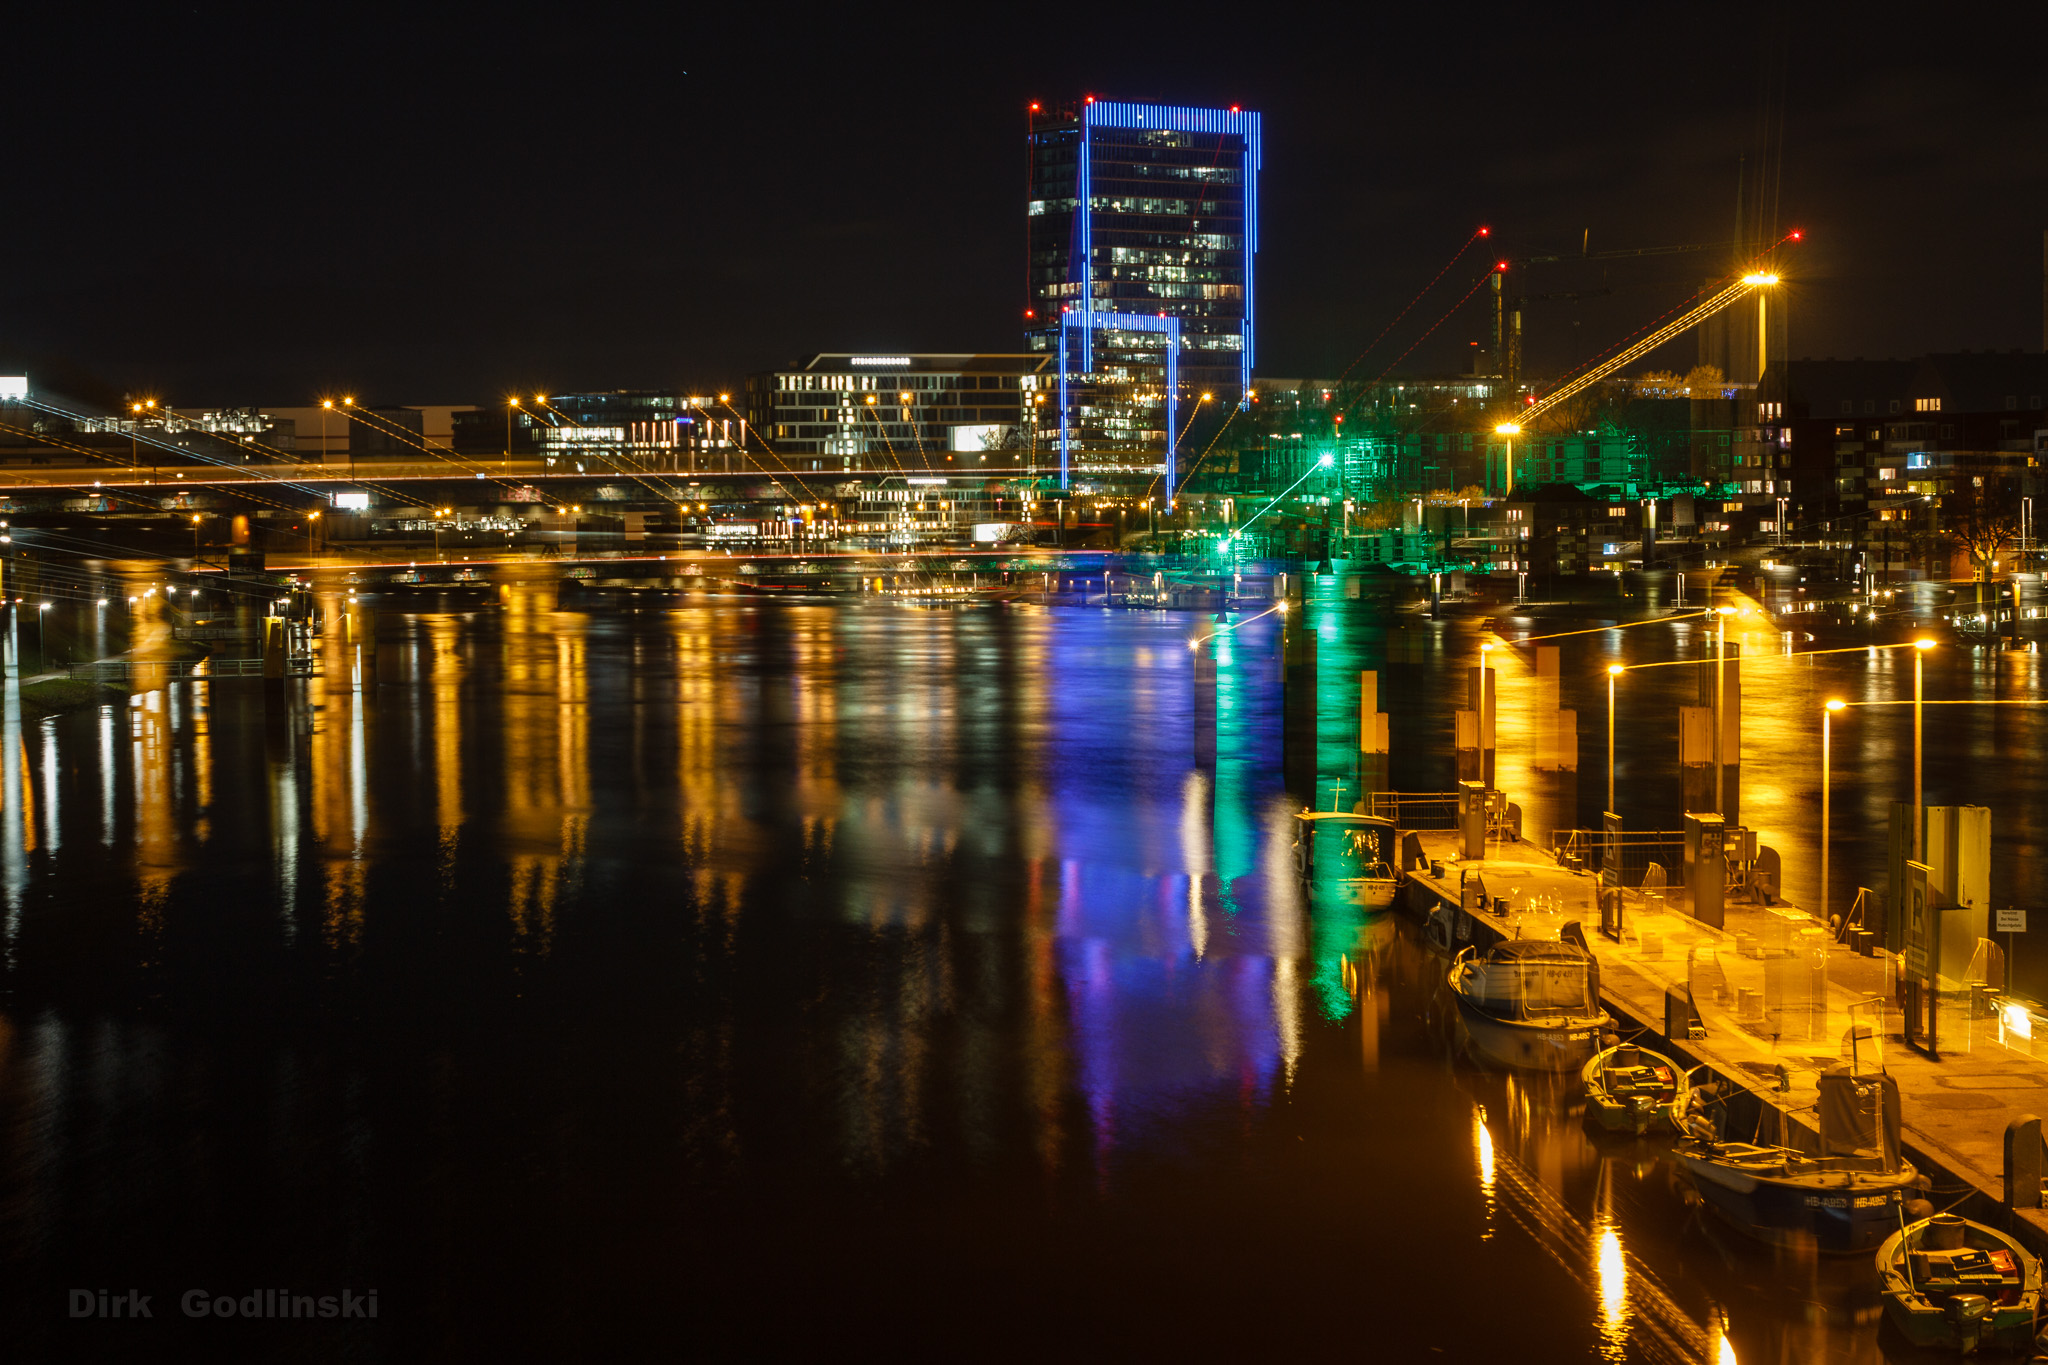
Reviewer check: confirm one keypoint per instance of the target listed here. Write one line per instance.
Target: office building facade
(932, 412)
(1142, 235)
(1148, 209)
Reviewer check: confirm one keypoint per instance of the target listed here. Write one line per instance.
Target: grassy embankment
(55, 695)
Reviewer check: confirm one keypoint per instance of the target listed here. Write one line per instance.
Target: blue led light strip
(1175, 118)
(1088, 324)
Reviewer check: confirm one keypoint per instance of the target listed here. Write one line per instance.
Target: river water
(784, 975)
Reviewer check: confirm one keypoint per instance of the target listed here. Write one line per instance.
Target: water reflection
(577, 948)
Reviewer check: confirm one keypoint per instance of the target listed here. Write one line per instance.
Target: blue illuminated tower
(1149, 208)
(1142, 211)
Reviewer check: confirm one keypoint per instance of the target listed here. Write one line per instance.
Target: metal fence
(178, 670)
(1417, 810)
(1638, 849)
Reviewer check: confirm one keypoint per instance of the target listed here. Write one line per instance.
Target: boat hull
(1367, 893)
(1528, 1047)
(1622, 1118)
(1835, 1218)
(1619, 1102)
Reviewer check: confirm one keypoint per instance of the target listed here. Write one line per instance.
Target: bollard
(2023, 1163)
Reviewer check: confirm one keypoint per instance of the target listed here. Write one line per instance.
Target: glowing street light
(1920, 648)
(1613, 672)
(1827, 720)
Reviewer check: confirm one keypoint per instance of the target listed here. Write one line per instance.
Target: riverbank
(54, 696)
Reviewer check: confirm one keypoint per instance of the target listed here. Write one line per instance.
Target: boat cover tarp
(1859, 1116)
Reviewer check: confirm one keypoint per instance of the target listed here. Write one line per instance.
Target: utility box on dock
(1706, 867)
(1472, 819)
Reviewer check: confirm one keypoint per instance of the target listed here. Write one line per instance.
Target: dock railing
(1636, 849)
(1417, 810)
(176, 670)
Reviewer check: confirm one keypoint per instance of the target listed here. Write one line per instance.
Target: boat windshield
(1521, 980)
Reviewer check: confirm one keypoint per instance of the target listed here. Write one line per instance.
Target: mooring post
(1372, 740)
(2023, 1163)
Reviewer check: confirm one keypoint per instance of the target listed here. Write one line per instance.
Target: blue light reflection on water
(614, 932)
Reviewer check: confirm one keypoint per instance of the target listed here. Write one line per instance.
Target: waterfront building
(1149, 209)
(1142, 240)
(664, 430)
(841, 411)
(1887, 455)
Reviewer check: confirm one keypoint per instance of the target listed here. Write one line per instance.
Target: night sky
(244, 205)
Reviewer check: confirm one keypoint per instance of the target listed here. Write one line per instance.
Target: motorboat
(1530, 1003)
(1630, 1089)
(1847, 1198)
(1347, 858)
(1949, 1282)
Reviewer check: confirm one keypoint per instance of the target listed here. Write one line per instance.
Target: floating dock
(1954, 1110)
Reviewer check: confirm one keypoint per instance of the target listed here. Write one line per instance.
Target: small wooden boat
(1631, 1089)
(1949, 1282)
(1530, 1003)
(1846, 1199)
(1347, 858)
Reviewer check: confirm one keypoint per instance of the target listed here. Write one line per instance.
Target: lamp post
(1510, 430)
(1485, 779)
(1721, 615)
(195, 539)
(1613, 672)
(1827, 718)
(1920, 648)
(42, 654)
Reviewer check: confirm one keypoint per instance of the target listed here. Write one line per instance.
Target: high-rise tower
(1149, 209)
(1143, 233)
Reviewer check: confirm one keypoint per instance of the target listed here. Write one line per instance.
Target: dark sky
(262, 205)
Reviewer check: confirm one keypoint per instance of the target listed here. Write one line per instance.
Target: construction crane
(1507, 312)
(1726, 297)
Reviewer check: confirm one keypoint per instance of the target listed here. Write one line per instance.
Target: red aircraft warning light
(1486, 232)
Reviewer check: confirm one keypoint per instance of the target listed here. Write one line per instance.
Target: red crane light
(1796, 235)
(1034, 108)
(1486, 232)
(1030, 312)
(1502, 267)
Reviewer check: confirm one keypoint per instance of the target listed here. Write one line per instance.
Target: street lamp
(1613, 672)
(42, 655)
(1920, 648)
(1510, 430)
(1481, 737)
(1720, 648)
(1827, 718)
